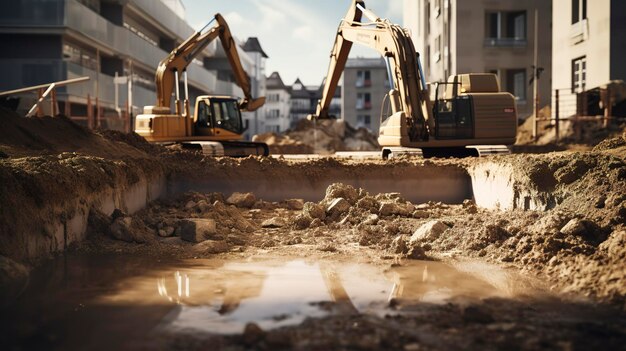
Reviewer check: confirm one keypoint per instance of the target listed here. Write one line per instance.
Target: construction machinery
(469, 116)
(216, 126)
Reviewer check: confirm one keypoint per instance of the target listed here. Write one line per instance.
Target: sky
(297, 35)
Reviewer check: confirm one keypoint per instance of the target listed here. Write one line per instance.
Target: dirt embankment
(322, 137)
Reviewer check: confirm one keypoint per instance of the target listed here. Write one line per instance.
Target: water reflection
(223, 298)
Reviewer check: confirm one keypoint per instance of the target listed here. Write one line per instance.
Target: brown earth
(577, 246)
(321, 137)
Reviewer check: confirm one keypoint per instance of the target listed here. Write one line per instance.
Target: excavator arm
(408, 94)
(167, 74)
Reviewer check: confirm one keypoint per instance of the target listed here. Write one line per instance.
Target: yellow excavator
(469, 116)
(216, 127)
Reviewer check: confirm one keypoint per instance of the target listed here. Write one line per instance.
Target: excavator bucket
(252, 105)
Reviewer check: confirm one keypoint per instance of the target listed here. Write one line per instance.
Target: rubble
(321, 137)
(196, 230)
(246, 200)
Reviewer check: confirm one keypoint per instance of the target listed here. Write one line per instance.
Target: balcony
(120, 39)
(506, 42)
(579, 32)
(363, 105)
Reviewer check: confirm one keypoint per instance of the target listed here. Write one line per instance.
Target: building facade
(255, 121)
(473, 36)
(302, 102)
(277, 105)
(365, 85)
(53, 40)
(589, 46)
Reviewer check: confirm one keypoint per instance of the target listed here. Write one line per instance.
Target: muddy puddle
(88, 300)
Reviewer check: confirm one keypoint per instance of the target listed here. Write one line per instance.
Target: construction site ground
(523, 251)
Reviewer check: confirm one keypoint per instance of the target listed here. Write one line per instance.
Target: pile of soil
(322, 137)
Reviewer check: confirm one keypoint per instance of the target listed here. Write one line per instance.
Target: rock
(98, 222)
(314, 210)
(337, 207)
(252, 334)
(120, 229)
(203, 206)
(302, 221)
(117, 213)
(13, 280)
(371, 219)
(399, 246)
(295, 204)
(392, 208)
(573, 227)
(337, 190)
(197, 230)
(162, 233)
(421, 214)
(245, 200)
(276, 222)
(264, 205)
(189, 205)
(429, 231)
(416, 252)
(211, 247)
(169, 230)
(368, 203)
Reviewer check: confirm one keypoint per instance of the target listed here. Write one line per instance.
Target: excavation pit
(204, 297)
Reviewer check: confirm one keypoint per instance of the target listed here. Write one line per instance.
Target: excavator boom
(181, 57)
(472, 111)
(216, 126)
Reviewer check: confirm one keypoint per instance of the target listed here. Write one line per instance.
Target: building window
(363, 101)
(579, 74)
(363, 121)
(579, 10)
(505, 28)
(273, 97)
(516, 83)
(273, 114)
(363, 79)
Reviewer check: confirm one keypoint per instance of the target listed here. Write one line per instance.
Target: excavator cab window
(452, 112)
(226, 115)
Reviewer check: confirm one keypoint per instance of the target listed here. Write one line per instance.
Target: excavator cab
(452, 112)
(218, 117)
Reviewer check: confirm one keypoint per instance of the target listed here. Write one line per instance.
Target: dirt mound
(21, 137)
(283, 144)
(321, 137)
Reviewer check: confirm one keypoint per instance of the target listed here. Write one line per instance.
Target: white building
(277, 104)
(589, 47)
(255, 121)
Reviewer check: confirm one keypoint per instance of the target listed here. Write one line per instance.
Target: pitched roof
(302, 92)
(274, 81)
(253, 45)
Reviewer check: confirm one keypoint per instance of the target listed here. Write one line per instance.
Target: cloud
(303, 33)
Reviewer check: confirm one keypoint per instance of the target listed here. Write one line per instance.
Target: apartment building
(53, 40)
(302, 102)
(277, 104)
(589, 46)
(365, 84)
(468, 36)
(255, 121)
